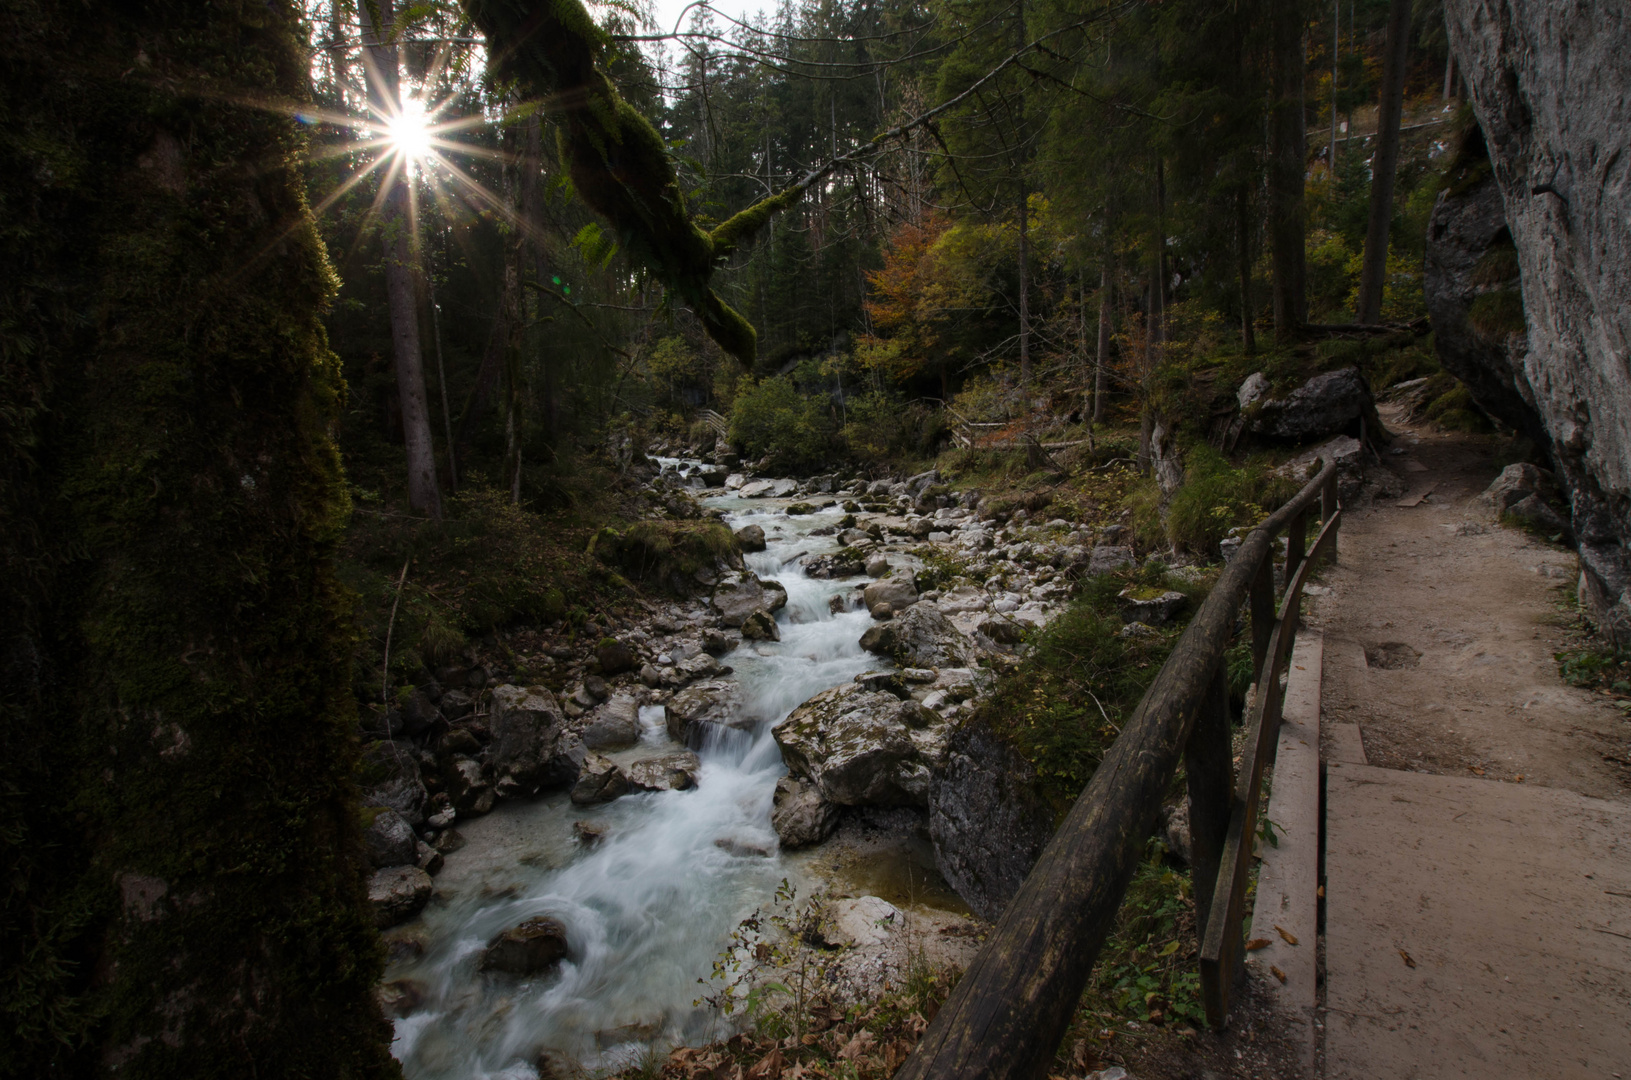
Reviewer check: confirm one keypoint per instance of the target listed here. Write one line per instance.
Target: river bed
(650, 908)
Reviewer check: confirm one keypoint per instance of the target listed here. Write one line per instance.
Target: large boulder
(862, 747)
(1551, 89)
(599, 781)
(898, 592)
(800, 814)
(921, 638)
(468, 785)
(671, 772)
(1324, 405)
(760, 626)
(398, 894)
(615, 657)
(528, 949)
(389, 840)
(751, 537)
(987, 819)
(740, 594)
(528, 752)
(701, 708)
(843, 563)
(1108, 558)
(391, 777)
(614, 726)
(1150, 606)
(1525, 493)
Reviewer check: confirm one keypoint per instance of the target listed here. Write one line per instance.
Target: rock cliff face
(1551, 87)
(1473, 294)
(986, 818)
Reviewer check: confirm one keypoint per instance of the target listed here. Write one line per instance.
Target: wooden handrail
(1008, 1013)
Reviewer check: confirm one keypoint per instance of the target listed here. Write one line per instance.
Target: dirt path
(1478, 828)
(1440, 633)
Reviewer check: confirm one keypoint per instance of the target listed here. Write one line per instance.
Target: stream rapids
(649, 909)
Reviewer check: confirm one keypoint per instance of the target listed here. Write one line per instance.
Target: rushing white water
(648, 910)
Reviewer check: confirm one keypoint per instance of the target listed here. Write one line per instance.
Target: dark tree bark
(1288, 156)
(1384, 166)
(1105, 278)
(1024, 292)
(184, 875)
(1243, 255)
(401, 263)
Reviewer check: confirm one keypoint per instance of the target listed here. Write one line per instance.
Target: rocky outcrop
(531, 749)
(986, 818)
(921, 638)
(1324, 405)
(1471, 262)
(862, 747)
(800, 815)
(1552, 91)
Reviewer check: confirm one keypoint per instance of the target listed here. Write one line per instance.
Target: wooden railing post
(1209, 767)
(1296, 544)
(1263, 614)
(1328, 509)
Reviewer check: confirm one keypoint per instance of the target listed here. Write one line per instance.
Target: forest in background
(1101, 199)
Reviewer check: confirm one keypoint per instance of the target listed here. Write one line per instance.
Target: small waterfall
(650, 908)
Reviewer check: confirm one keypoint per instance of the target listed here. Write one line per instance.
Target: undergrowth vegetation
(1065, 702)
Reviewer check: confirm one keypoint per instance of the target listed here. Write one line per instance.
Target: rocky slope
(1552, 91)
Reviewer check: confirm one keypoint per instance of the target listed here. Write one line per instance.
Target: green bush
(1062, 707)
(881, 427)
(772, 418)
(1216, 497)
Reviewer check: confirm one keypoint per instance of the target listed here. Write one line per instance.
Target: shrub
(772, 418)
(1216, 497)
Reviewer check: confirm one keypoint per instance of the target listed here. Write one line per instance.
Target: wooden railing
(721, 426)
(1006, 1017)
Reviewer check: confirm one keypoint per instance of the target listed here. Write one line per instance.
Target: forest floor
(1478, 888)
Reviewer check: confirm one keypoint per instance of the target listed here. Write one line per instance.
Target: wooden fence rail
(1007, 1016)
(720, 425)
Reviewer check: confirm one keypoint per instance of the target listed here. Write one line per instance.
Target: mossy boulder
(675, 555)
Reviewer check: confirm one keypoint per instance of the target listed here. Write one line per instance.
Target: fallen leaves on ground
(1290, 938)
(1408, 962)
(1258, 943)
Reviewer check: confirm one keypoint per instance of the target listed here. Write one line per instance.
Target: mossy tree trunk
(183, 878)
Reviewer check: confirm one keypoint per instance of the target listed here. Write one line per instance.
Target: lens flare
(408, 132)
